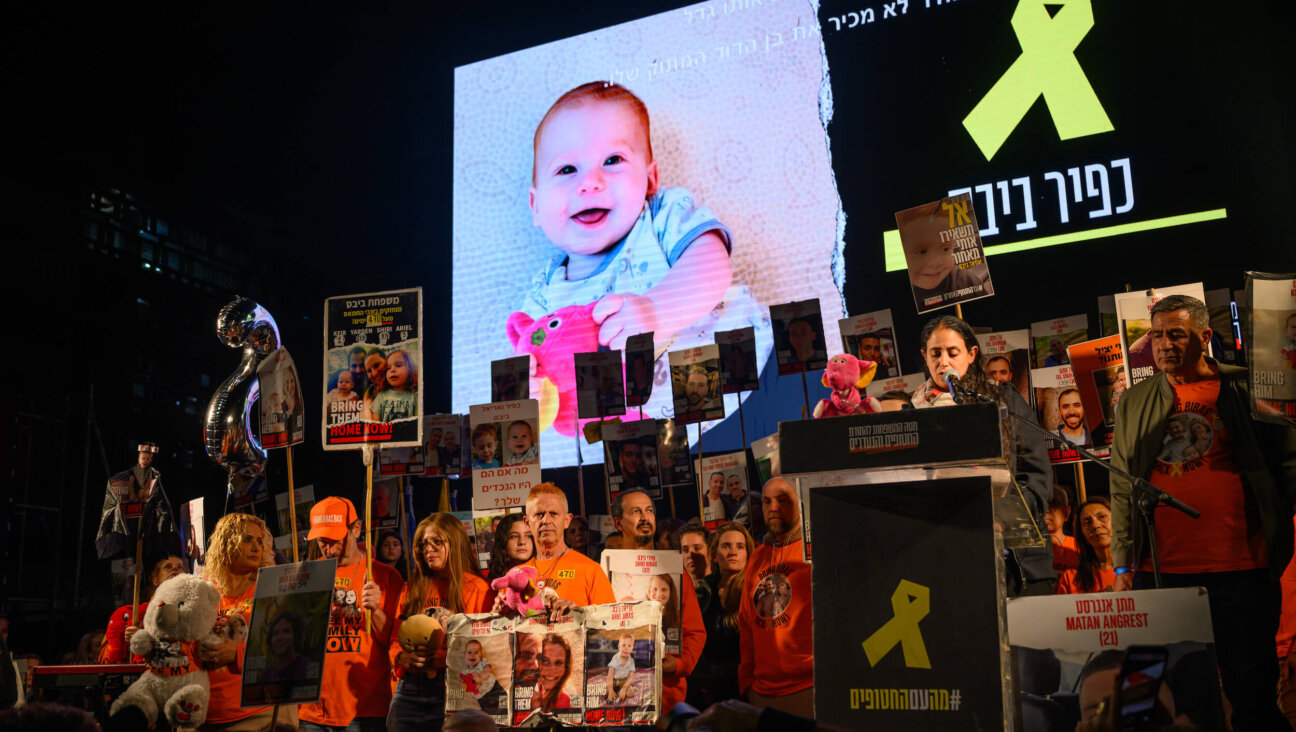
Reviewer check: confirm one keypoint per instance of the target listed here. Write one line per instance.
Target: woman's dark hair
(399, 564)
(976, 378)
(1088, 576)
(500, 561)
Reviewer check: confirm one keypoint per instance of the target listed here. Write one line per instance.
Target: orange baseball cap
(331, 518)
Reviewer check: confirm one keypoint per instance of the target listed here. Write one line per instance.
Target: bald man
(774, 616)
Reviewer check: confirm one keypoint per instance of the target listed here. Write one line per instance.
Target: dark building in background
(117, 335)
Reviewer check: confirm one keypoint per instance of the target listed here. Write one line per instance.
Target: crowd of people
(744, 601)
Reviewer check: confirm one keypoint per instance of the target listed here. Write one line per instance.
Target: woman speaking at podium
(951, 349)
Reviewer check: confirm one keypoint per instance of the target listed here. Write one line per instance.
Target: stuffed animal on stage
(846, 375)
(554, 340)
(181, 614)
(520, 595)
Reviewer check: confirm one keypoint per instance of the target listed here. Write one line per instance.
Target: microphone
(951, 378)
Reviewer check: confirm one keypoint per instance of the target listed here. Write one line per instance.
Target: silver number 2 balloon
(227, 429)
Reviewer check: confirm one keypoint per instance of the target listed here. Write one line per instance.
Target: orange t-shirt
(227, 681)
(477, 598)
(1065, 555)
(1069, 582)
(692, 640)
(1287, 622)
(776, 622)
(575, 577)
(1197, 465)
(357, 669)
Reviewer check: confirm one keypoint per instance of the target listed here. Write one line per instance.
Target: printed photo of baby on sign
(943, 252)
(622, 663)
(505, 452)
(479, 665)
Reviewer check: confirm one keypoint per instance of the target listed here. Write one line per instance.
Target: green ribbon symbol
(1047, 66)
(910, 602)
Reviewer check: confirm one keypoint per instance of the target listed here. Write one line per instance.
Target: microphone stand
(1146, 496)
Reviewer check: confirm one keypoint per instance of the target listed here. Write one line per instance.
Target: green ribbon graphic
(910, 602)
(1047, 66)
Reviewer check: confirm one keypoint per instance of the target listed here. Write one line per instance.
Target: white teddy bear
(182, 612)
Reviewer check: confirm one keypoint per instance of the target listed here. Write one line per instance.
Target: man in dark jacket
(1188, 431)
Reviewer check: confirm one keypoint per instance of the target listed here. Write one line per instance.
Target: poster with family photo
(724, 488)
(1050, 338)
(674, 465)
(640, 367)
(650, 574)
(907, 384)
(283, 662)
(871, 337)
(630, 457)
(623, 647)
(943, 253)
(505, 452)
(193, 534)
(549, 670)
(737, 360)
(479, 665)
(376, 339)
(1134, 321)
(1006, 356)
(443, 444)
(695, 384)
(1061, 412)
(799, 337)
(305, 499)
(1099, 371)
(1271, 349)
(283, 412)
(511, 379)
(600, 386)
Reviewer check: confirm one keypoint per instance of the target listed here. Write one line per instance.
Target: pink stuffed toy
(846, 375)
(519, 591)
(555, 340)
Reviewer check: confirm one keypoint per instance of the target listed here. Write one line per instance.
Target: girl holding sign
(445, 582)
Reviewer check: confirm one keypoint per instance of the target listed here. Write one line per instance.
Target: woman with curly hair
(444, 582)
(1097, 572)
(715, 677)
(237, 550)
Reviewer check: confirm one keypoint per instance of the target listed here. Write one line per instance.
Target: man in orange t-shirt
(775, 620)
(356, 689)
(1188, 430)
(578, 580)
(636, 519)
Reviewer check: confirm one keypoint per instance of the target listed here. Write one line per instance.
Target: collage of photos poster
(372, 359)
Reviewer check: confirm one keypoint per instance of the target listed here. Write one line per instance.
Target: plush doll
(182, 612)
(420, 630)
(554, 340)
(520, 594)
(846, 375)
